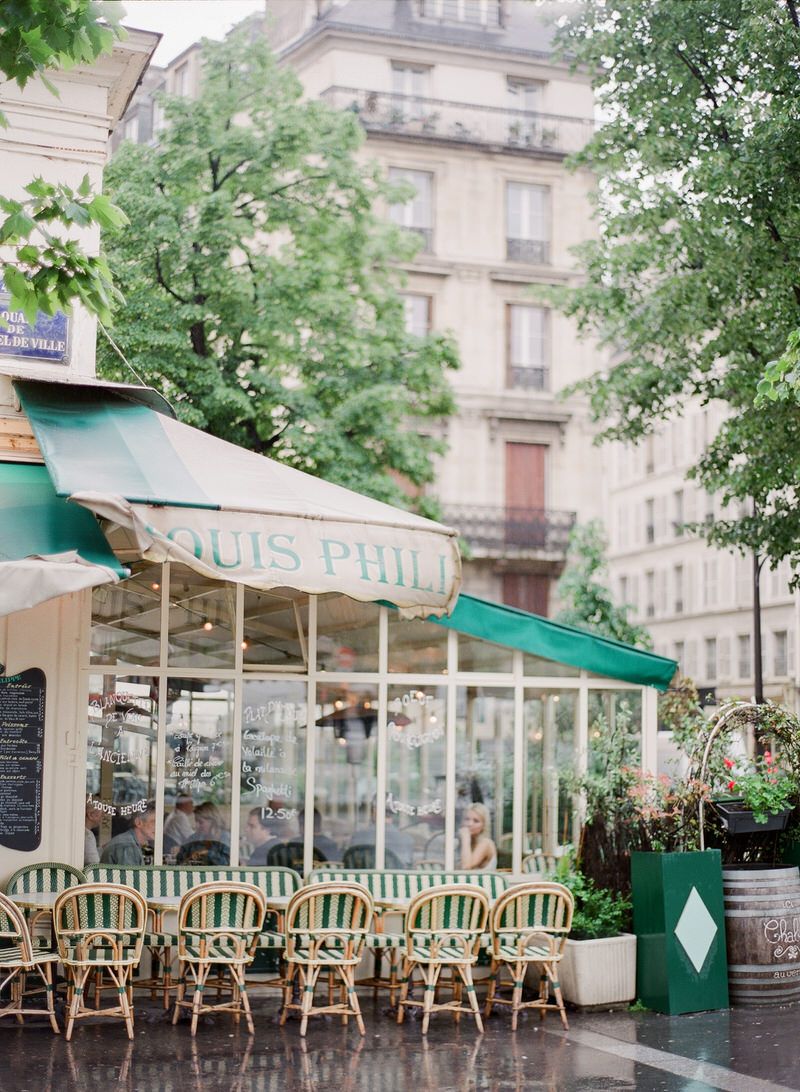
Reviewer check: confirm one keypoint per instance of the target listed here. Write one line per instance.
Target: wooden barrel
(762, 923)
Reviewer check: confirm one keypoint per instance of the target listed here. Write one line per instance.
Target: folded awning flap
(233, 514)
(48, 547)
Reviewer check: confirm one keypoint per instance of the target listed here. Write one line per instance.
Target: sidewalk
(740, 1050)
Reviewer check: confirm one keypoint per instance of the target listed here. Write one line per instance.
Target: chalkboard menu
(21, 758)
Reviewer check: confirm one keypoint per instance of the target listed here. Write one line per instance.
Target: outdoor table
(35, 905)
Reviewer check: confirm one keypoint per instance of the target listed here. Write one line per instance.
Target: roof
(538, 636)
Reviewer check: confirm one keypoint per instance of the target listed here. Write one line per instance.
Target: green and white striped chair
(100, 927)
(444, 927)
(45, 878)
(530, 924)
(18, 958)
(218, 925)
(326, 928)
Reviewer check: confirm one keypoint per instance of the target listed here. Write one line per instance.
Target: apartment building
(465, 100)
(696, 602)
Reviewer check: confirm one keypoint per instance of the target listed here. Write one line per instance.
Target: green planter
(679, 921)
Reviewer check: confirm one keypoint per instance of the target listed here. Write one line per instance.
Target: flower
(729, 763)
(765, 790)
(731, 785)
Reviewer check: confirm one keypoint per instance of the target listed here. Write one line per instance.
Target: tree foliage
(261, 285)
(49, 270)
(588, 603)
(694, 280)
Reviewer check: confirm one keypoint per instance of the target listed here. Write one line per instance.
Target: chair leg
(494, 978)
(404, 982)
(79, 977)
(559, 1000)
(349, 977)
(180, 992)
(238, 975)
(430, 973)
(309, 976)
(201, 974)
(291, 972)
(124, 1001)
(46, 972)
(516, 997)
(466, 974)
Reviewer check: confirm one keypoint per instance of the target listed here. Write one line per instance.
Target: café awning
(229, 513)
(47, 546)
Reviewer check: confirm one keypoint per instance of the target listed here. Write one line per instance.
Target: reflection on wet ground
(743, 1050)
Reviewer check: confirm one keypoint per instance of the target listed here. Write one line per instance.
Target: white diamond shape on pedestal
(696, 929)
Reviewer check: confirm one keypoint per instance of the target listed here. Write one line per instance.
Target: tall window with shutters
(416, 313)
(527, 348)
(527, 223)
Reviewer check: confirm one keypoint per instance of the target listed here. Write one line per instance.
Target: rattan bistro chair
(100, 927)
(530, 923)
(326, 926)
(18, 958)
(218, 926)
(444, 926)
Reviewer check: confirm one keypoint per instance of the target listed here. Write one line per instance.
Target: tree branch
(163, 283)
(793, 13)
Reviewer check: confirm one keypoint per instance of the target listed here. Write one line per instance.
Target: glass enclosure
(214, 737)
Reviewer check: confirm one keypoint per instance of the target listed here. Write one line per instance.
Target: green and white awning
(229, 513)
(47, 546)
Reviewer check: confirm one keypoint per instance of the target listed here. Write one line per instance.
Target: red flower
(767, 756)
(731, 785)
(728, 763)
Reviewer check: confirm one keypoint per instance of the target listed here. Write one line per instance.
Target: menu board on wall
(22, 699)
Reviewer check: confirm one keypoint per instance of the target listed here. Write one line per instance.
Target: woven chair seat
(15, 957)
(532, 952)
(217, 952)
(161, 940)
(445, 953)
(384, 940)
(274, 941)
(127, 956)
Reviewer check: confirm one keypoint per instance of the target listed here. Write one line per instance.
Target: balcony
(532, 251)
(441, 121)
(512, 532)
(522, 377)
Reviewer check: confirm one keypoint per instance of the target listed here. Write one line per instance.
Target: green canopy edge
(540, 637)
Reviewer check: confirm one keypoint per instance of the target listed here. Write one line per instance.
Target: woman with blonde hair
(477, 848)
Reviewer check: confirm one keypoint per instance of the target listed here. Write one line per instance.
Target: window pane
(347, 634)
(274, 719)
(537, 665)
(416, 313)
(549, 719)
(416, 646)
(275, 629)
(126, 619)
(346, 719)
(198, 765)
(418, 211)
(121, 768)
(485, 767)
(201, 620)
(615, 729)
(415, 775)
(477, 655)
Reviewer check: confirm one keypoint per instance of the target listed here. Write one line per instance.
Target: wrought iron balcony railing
(526, 378)
(440, 120)
(511, 531)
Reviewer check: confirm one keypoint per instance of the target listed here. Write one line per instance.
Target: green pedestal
(679, 921)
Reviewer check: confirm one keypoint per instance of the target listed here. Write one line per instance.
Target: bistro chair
(444, 926)
(47, 878)
(364, 857)
(292, 855)
(18, 958)
(326, 927)
(218, 926)
(100, 927)
(530, 923)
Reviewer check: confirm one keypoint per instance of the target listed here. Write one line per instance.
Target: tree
(694, 280)
(588, 603)
(50, 270)
(261, 286)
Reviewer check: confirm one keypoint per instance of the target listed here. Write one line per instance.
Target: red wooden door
(525, 474)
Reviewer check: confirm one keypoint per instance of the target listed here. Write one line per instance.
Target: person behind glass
(128, 848)
(323, 845)
(179, 826)
(91, 854)
(258, 833)
(399, 845)
(211, 842)
(477, 848)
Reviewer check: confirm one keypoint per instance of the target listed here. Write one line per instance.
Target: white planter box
(599, 972)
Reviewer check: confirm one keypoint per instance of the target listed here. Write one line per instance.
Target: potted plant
(761, 797)
(599, 964)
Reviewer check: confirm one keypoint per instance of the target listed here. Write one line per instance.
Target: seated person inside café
(179, 825)
(399, 845)
(325, 849)
(210, 842)
(91, 854)
(128, 848)
(258, 833)
(477, 848)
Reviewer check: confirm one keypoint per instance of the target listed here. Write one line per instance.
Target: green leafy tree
(261, 285)
(582, 588)
(49, 270)
(694, 279)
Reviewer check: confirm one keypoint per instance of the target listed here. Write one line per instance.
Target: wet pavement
(741, 1050)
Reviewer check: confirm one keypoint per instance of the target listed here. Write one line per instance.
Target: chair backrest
(458, 909)
(540, 864)
(344, 908)
(538, 907)
(108, 911)
(14, 928)
(364, 857)
(292, 855)
(386, 884)
(48, 876)
(222, 907)
(169, 881)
